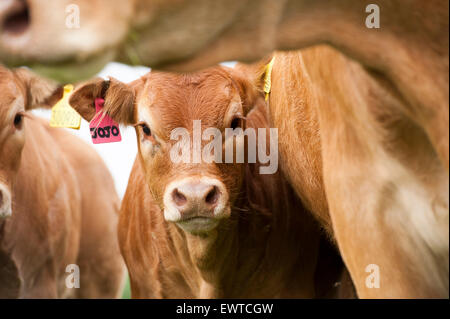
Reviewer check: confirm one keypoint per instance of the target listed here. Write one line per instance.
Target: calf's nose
(192, 197)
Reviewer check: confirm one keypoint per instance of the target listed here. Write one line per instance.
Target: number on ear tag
(103, 128)
(63, 115)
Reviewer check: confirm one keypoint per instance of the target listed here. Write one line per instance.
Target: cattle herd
(354, 119)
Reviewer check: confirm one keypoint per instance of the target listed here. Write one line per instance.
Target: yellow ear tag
(63, 115)
(268, 78)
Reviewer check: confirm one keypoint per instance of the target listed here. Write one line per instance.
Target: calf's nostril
(178, 198)
(1, 199)
(18, 20)
(213, 196)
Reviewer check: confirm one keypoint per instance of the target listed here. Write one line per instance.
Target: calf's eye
(237, 122)
(146, 130)
(18, 119)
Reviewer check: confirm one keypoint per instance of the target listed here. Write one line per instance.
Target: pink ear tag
(103, 128)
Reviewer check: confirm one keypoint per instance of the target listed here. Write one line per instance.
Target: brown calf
(206, 230)
(58, 206)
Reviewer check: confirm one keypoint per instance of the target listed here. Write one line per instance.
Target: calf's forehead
(175, 100)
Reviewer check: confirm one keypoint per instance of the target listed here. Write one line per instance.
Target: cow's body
(64, 210)
(348, 139)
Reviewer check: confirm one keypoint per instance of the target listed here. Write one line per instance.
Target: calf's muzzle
(196, 200)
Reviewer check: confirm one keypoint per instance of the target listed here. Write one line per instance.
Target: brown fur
(410, 51)
(408, 55)
(56, 220)
(347, 138)
(268, 247)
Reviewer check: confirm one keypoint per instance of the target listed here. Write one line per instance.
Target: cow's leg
(388, 227)
(101, 276)
(41, 285)
(386, 188)
(102, 270)
(10, 282)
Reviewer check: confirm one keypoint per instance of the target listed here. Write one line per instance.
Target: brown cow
(58, 205)
(206, 230)
(412, 41)
(361, 161)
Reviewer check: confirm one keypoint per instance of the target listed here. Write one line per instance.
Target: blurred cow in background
(409, 52)
(58, 205)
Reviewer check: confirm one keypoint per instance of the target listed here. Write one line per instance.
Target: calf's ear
(250, 81)
(40, 92)
(119, 99)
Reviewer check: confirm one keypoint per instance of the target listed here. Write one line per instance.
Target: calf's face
(171, 113)
(20, 90)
